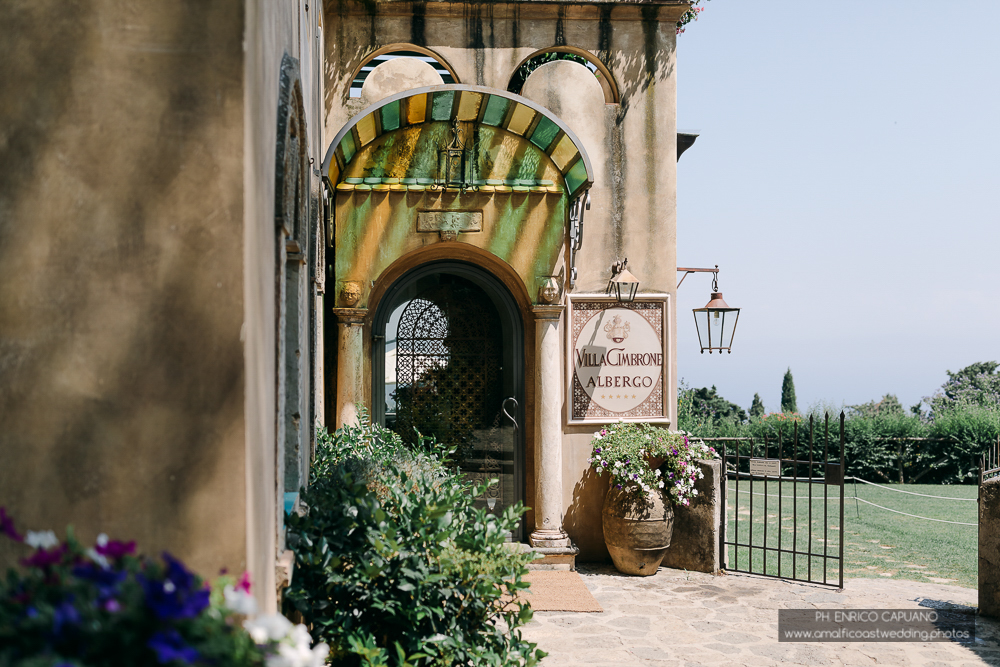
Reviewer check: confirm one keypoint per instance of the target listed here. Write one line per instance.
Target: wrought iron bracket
(576, 210)
(688, 271)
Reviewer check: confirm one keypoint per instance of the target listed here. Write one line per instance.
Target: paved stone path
(689, 619)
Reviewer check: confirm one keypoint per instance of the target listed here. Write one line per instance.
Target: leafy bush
(875, 440)
(394, 565)
(75, 607)
(963, 432)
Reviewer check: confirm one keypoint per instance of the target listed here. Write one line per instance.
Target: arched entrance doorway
(448, 361)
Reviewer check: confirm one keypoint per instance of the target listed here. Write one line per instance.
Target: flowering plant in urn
(642, 460)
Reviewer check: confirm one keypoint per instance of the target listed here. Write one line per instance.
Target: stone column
(548, 531)
(350, 363)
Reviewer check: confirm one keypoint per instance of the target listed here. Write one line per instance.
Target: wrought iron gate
(449, 358)
(784, 500)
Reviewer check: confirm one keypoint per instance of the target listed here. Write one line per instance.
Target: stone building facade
(223, 224)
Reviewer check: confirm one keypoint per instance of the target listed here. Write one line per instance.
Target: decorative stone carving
(550, 291)
(351, 293)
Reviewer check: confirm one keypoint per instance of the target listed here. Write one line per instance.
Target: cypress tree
(757, 407)
(788, 393)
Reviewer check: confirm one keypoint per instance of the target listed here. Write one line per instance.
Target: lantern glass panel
(716, 327)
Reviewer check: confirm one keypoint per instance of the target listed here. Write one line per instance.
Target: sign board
(449, 221)
(765, 467)
(618, 359)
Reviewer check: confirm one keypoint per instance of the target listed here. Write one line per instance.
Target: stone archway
(448, 361)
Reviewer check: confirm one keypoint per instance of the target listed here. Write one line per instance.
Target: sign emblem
(617, 330)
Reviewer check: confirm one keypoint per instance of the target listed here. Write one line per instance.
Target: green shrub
(394, 565)
(963, 431)
(874, 442)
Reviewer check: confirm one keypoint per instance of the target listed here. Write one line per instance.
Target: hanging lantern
(455, 162)
(623, 285)
(716, 322)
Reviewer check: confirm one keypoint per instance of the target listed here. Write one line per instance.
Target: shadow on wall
(121, 271)
(583, 521)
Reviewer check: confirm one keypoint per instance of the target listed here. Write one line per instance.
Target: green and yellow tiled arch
(386, 168)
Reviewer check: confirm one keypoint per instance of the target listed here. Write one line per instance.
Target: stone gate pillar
(350, 363)
(548, 531)
(989, 547)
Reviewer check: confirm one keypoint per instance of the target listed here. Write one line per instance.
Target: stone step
(549, 558)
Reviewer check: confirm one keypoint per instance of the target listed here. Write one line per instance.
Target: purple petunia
(65, 614)
(45, 558)
(106, 581)
(115, 549)
(7, 526)
(175, 596)
(170, 646)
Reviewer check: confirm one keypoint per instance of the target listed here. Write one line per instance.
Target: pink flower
(244, 584)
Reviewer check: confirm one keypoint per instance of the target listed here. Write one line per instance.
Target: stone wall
(695, 543)
(989, 547)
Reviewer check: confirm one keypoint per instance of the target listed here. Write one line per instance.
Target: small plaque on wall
(450, 221)
(618, 360)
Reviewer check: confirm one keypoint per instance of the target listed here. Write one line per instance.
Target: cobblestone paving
(689, 619)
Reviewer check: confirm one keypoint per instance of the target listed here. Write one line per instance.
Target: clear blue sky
(847, 183)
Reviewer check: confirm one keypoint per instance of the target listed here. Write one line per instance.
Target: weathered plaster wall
(137, 254)
(273, 29)
(121, 273)
(989, 547)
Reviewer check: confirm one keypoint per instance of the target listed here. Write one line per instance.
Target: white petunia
(43, 539)
(239, 601)
(98, 558)
(272, 627)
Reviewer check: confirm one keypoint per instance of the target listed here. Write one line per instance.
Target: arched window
(584, 58)
(292, 237)
(388, 53)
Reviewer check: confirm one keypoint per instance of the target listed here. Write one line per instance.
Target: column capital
(351, 316)
(548, 312)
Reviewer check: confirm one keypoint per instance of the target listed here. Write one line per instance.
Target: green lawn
(877, 543)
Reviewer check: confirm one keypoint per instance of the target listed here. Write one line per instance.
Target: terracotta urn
(637, 530)
(655, 461)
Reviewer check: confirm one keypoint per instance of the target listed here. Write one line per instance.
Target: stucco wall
(137, 256)
(273, 29)
(121, 271)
